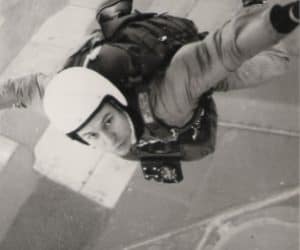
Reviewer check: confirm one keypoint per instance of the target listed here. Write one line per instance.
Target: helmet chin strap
(132, 134)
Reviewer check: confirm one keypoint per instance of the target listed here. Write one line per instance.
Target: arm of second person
(24, 92)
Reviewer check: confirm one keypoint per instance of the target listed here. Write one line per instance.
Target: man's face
(108, 130)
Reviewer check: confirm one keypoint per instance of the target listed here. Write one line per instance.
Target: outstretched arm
(23, 92)
(200, 66)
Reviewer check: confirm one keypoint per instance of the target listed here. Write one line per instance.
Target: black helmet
(113, 8)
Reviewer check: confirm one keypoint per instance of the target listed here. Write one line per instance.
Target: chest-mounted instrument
(161, 148)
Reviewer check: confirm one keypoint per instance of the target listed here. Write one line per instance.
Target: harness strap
(154, 127)
(92, 55)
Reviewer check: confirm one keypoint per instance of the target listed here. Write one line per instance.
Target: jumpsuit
(242, 53)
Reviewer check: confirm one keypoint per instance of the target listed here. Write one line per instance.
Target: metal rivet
(163, 38)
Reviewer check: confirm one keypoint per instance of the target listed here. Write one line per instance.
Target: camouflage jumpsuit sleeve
(226, 56)
(24, 92)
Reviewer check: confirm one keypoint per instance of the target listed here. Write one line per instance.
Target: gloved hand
(285, 18)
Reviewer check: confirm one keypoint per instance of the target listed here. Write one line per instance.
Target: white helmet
(74, 94)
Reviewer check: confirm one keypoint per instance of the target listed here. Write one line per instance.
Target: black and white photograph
(149, 124)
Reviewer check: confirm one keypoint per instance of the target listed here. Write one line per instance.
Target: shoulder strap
(78, 58)
(154, 127)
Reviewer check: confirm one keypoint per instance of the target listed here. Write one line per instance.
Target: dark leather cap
(113, 8)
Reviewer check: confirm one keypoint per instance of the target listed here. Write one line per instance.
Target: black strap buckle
(165, 170)
(160, 161)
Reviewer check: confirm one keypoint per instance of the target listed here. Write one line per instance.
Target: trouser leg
(258, 70)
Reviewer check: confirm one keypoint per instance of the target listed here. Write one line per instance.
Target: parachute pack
(139, 44)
